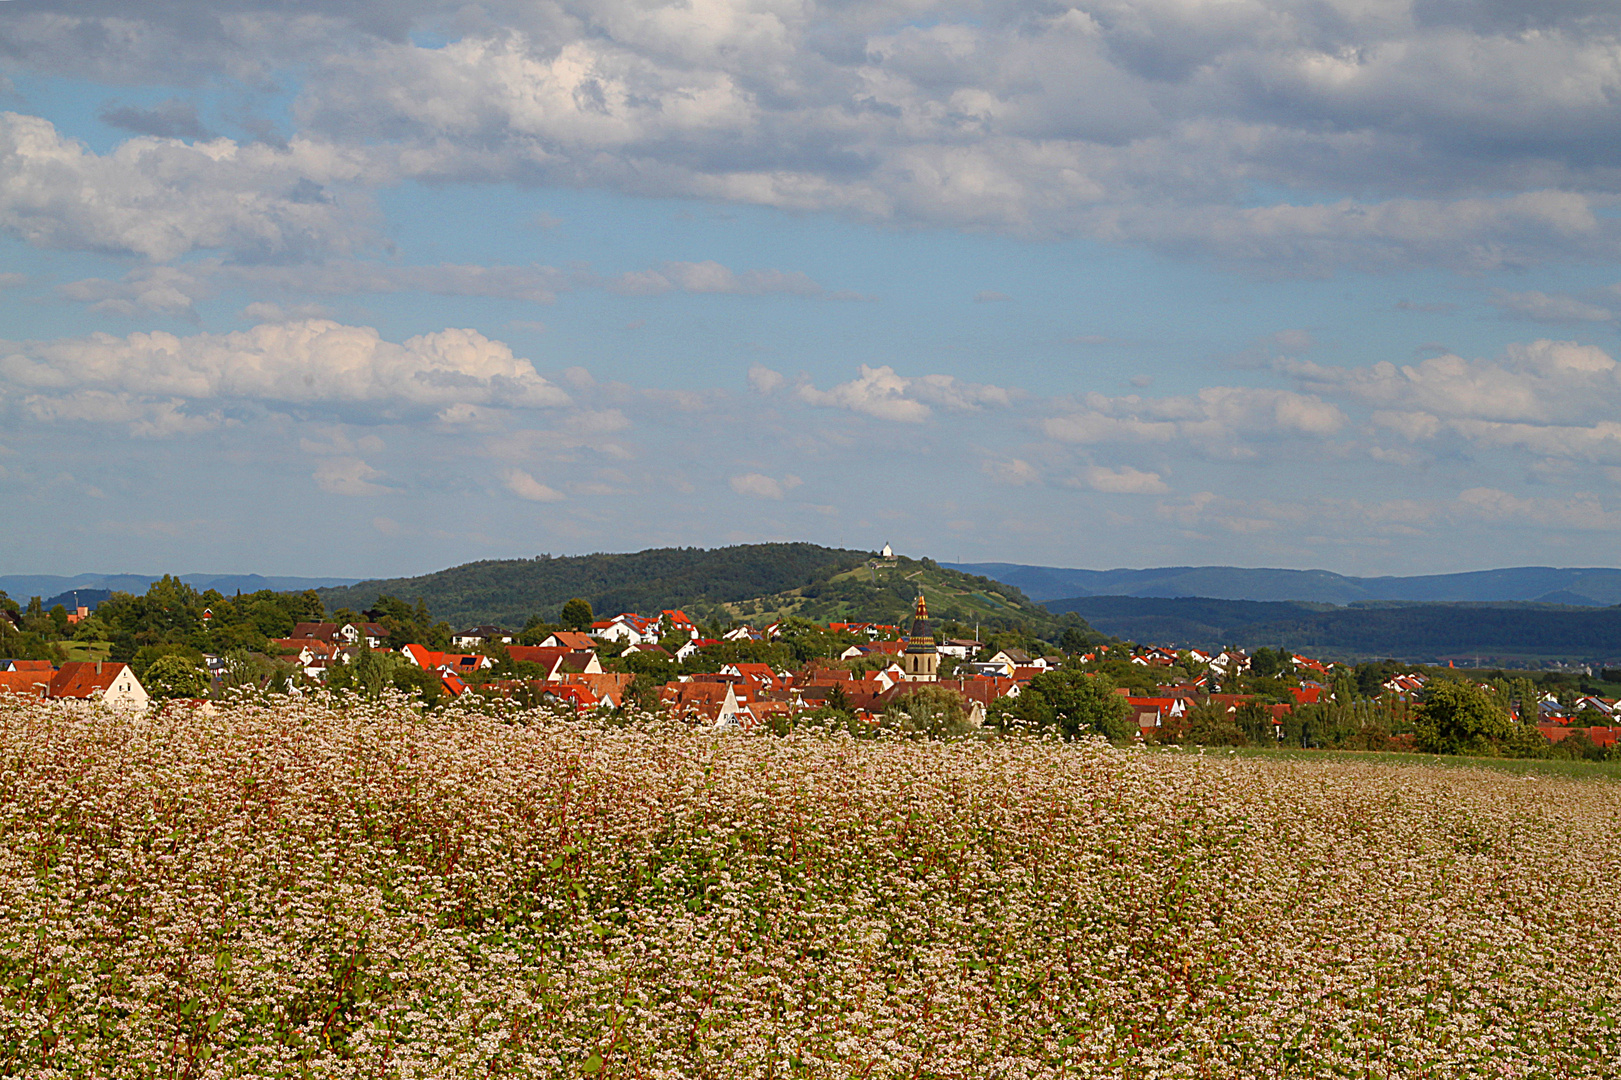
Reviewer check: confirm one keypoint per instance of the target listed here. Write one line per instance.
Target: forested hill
(509, 591)
(751, 582)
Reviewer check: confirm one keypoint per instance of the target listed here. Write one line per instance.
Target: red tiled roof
(84, 679)
(26, 683)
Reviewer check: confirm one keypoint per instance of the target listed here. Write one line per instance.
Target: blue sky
(357, 288)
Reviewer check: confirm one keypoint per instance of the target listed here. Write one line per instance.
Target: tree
(1460, 718)
(577, 614)
(1073, 641)
(934, 711)
(1074, 702)
(175, 676)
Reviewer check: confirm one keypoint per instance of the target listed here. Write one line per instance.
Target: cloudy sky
(358, 287)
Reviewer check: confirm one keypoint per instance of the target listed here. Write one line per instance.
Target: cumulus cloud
(162, 198)
(1146, 123)
(1015, 471)
(170, 119)
(169, 290)
(760, 486)
(1124, 480)
(881, 393)
(1536, 381)
(1216, 418)
(712, 277)
(1550, 308)
(348, 476)
(302, 362)
(763, 380)
(1581, 511)
(146, 419)
(526, 486)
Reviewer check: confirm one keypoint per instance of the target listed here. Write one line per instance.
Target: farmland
(311, 890)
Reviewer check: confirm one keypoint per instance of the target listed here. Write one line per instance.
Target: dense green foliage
(508, 591)
(1068, 701)
(1459, 718)
(170, 620)
(175, 676)
(1411, 631)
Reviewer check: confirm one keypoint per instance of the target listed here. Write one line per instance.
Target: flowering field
(302, 891)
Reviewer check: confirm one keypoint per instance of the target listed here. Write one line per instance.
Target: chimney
(98, 667)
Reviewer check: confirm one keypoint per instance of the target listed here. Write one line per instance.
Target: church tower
(921, 660)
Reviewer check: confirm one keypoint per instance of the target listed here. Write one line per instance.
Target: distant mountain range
(1477, 635)
(94, 588)
(1587, 586)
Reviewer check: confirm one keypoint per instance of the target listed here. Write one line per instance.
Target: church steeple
(921, 660)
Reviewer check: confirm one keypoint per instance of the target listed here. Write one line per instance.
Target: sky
(365, 288)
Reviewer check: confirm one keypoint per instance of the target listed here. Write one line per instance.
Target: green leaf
(592, 1065)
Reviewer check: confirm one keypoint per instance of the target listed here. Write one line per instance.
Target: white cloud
(166, 289)
(1147, 122)
(1551, 308)
(1538, 381)
(306, 361)
(763, 380)
(881, 393)
(1216, 418)
(1015, 471)
(1581, 511)
(146, 419)
(712, 277)
(760, 486)
(1124, 480)
(348, 476)
(525, 486)
(162, 197)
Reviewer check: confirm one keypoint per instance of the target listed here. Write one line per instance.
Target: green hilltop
(750, 582)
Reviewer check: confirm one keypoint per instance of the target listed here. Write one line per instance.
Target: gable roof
(26, 683)
(85, 678)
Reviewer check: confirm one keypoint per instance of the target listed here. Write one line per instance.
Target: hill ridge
(1586, 586)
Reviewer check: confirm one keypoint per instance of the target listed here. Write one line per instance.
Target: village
(619, 662)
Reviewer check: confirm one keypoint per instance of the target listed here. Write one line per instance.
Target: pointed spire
(922, 607)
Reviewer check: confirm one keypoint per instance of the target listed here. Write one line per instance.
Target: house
(458, 663)
(557, 661)
(35, 684)
(692, 647)
(960, 648)
(346, 633)
(715, 702)
(480, 635)
(608, 686)
(27, 665)
(627, 627)
(651, 649)
(876, 648)
(759, 674)
(679, 623)
(100, 681)
(871, 631)
(569, 639)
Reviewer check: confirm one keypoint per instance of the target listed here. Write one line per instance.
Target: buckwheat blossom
(339, 888)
